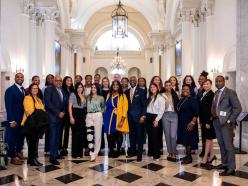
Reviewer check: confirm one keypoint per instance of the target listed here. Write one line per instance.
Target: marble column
(49, 65)
(186, 42)
(158, 44)
(33, 48)
(242, 65)
(196, 61)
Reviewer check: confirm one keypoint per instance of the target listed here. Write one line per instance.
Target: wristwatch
(228, 121)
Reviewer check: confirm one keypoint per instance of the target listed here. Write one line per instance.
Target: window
(107, 42)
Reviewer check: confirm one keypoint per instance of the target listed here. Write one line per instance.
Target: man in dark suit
(14, 97)
(54, 98)
(136, 104)
(225, 110)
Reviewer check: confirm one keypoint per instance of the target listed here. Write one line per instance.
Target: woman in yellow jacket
(31, 102)
(115, 118)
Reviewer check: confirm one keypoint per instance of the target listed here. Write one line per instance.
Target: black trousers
(136, 135)
(114, 139)
(47, 141)
(32, 142)
(153, 136)
(102, 140)
(64, 132)
(77, 132)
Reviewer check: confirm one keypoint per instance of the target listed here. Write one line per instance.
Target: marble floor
(123, 171)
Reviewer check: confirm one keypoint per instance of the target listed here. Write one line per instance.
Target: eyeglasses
(58, 80)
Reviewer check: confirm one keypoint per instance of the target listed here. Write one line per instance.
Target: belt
(94, 112)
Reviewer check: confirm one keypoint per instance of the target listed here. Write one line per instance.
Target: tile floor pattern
(122, 171)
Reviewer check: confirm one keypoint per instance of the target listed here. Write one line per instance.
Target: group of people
(128, 113)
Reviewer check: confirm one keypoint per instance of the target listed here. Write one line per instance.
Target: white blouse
(157, 107)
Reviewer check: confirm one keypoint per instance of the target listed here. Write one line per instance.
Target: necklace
(179, 105)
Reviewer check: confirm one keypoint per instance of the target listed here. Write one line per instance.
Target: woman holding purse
(31, 103)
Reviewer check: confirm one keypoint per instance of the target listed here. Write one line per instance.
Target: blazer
(205, 104)
(53, 103)
(137, 106)
(30, 106)
(14, 104)
(121, 111)
(229, 105)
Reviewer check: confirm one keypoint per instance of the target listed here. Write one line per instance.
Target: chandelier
(119, 22)
(118, 66)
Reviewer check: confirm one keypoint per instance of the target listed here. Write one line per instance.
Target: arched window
(107, 42)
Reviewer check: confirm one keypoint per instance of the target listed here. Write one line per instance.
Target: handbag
(36, 123)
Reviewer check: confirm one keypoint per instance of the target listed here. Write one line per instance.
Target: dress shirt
(20, 87)
(157, 107)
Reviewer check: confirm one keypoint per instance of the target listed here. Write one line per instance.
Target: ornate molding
(40, 14)
(207, 7)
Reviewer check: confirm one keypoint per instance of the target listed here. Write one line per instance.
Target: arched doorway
(134, 71)
(102, 71)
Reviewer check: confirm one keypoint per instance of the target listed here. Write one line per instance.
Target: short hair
(88, 75)
(209, 80)
(220, 76)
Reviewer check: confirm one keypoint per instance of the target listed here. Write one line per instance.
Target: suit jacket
(136, 108)
(14, 104)
(229, 105)
(53, 103)
(205, 104)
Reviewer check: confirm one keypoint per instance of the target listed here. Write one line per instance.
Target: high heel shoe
(214, 158)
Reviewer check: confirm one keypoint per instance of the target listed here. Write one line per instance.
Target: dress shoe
(139, 158)
(16, 161)
(54, 162)
(130, 155)
(21, 157)
(221, 167)
(37, 162)
(227, 173)
(33, 162)
(64, 152)
(187, 160)
(211, 160)
(116, 154)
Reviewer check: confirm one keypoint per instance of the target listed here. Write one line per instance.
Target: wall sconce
(19, 70)
(215, 70)
(84, 59)
(151, 59)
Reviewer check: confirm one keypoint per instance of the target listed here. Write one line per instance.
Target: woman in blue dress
(189, 80)
(115, 118)
(187, 122)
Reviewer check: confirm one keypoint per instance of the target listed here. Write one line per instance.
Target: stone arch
(134, 71)
(102, 71)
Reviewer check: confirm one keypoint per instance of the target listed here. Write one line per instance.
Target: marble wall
(242, 63)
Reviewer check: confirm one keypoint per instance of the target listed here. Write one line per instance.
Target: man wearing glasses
(55, 106)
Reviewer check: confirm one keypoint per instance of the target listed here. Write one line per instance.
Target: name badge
(222, 113)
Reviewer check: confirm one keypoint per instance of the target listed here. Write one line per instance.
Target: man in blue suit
(136, 109)
(54, 98)
(14, 97)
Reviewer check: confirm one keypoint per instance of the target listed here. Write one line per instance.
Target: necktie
(60, 93)
(23, 91)
(215, 104)
(131, 95)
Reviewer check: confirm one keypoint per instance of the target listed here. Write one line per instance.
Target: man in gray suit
(225, 110)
